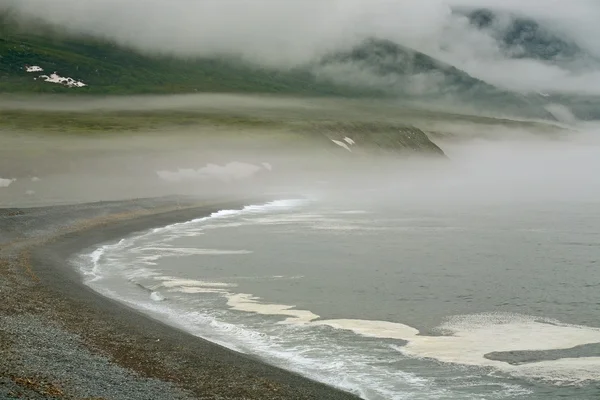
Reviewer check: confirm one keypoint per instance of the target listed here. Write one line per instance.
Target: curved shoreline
(126, 336)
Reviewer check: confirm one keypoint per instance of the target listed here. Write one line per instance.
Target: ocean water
(402, 301)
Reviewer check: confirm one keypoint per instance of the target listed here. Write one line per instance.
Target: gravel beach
(61, 340)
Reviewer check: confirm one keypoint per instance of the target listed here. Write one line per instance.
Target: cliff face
(358, 138)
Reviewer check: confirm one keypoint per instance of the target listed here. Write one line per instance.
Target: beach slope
(61, 340)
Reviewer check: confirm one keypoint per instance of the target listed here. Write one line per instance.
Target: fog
(489, 162)
(292, 32)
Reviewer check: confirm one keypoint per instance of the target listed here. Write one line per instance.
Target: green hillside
(111, 69)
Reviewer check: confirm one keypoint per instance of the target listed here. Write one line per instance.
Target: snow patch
(349, 140)
(33, 68)
(55, 78)
(341, 144)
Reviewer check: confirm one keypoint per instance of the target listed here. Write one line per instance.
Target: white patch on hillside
(69, 82)
(6, 182)
(33, 68)
(342, 144)
(349, 140)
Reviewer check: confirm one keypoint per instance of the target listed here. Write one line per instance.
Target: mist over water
(381, 267)
(508, 169)
(469, 277)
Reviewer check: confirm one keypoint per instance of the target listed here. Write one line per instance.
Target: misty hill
(524, 37)
(404, 72)
(106, 68)
(374, 68)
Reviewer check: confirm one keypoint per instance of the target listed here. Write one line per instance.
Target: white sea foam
(171, 282)
(472, 337)
(466, 341)
(197, 290)
(157, 296)
(249, 303)
(164, 251)
(378, 329)
(93, 271)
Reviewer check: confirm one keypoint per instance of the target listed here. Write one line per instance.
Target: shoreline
(45, 286)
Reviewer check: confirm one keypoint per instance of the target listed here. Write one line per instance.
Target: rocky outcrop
(377, 138)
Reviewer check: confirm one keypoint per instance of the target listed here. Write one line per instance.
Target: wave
(358, 355)
(91, 265)
(464, 340)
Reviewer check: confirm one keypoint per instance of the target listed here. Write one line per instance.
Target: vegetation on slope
(107, 68)
(111, 69)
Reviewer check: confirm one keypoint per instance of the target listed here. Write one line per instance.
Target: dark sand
(61, 340)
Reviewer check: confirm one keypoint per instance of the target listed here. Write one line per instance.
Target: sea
(489, 291)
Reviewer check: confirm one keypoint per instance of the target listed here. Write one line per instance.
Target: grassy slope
(110, 69)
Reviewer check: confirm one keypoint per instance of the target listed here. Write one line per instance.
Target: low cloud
(286, 33)
(5, 182)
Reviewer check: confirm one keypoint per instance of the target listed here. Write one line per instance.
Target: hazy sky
(288, 32)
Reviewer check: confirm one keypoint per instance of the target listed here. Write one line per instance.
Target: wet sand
(61, 340)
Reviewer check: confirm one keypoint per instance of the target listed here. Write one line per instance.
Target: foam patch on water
(109, 257)
(466, 339)
(173, 282)
(197, 290)
(469, 338)
(158, 252)
(377, 329)
(249, 303)
(157, 296)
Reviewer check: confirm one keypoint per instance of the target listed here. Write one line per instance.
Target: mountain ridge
(392, 71)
